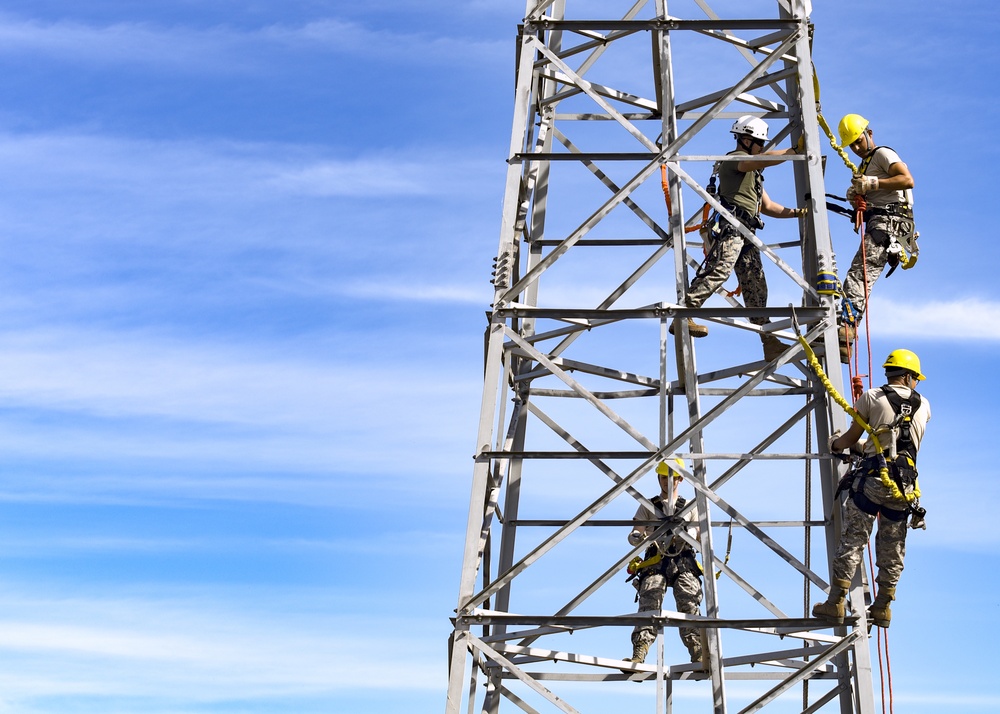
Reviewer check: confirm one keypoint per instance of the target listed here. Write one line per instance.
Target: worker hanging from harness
(883, 485)
(882, 195)
(669, 562)
(741, 191)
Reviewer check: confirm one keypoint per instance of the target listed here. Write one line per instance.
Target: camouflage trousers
(872, 256)
(687, 596)
(890, 539)
(731, 252)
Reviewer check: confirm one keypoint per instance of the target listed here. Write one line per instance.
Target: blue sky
(244, 259)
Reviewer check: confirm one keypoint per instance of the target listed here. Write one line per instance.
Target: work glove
(833, 437)
(863, 184)
(635, 538)
(851, 193)
(799, 212)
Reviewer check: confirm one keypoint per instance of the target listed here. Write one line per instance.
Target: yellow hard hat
(665, 468)
(904, 359)
(851, 127)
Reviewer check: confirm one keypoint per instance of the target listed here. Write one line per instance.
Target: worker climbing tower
(592, 378)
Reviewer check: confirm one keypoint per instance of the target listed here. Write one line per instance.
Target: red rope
(882, 641)
(860, 205)
(888, 668)
(878, 639)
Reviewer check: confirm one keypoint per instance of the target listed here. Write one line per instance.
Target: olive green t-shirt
(743, 189)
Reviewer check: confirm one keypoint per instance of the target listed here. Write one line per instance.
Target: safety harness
(678, 558)
(899, 253)
(899, 456)
(715, 229)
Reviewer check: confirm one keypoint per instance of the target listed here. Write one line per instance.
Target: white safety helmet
(750, 126)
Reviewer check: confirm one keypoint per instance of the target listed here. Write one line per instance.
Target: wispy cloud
(966, 319)
(220, 169)
(392, 291)
(226, 49)
(111, 397)
(203, 646)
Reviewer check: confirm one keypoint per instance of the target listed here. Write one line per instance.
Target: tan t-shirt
(874, 408)
(878, 166)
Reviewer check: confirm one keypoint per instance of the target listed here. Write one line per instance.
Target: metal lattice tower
(586, 389)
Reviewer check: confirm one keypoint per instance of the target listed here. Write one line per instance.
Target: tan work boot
(833, 608)
(773, 347)
(696, 329)
(694, 649)
(846, 334)
(879, 613)
(639, 651)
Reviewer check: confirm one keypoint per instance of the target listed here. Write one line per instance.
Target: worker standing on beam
(669, 562)
(741, 191)
(883, 191)
(883, 486)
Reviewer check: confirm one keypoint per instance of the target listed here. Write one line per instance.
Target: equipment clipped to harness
(895, 466)
(902, 475)
(668, 559)
(837, 208)
(893, 255)
(849, 313)
(911, 499)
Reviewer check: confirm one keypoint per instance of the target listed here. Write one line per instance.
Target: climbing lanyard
(882, 466)
(856, 385)
(665, 185)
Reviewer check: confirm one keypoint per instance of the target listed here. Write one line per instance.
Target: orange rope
(860, 205)
(665, 185)
(704, 220)
(857, 386)
(666, 188)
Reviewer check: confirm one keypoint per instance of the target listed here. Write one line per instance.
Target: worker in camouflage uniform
(886, 186)
(898, 415)
(741, 191)
(670, 562)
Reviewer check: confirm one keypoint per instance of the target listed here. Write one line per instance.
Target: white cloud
(396, 291)
(116, 375)
(967, 319)
(223, 48)
(205, 646)
(222, 169)
(119, 43)
(113, 397)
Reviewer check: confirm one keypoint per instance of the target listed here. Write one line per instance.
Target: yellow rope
(905, 259)
(834, 144)
(883, 473)
(826, 128)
